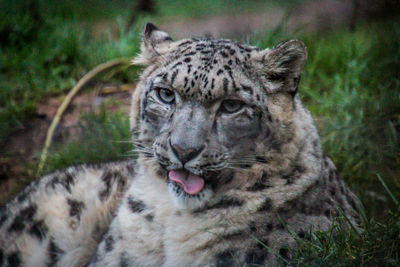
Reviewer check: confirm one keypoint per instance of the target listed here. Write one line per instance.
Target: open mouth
(190, 183)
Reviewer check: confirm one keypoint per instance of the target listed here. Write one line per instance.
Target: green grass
(89, 10)
(378, 244)
(47, 56)
(199, 9)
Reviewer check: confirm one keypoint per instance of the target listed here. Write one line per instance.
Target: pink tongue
(191, 183)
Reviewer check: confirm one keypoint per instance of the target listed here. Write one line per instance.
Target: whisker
(242, 162)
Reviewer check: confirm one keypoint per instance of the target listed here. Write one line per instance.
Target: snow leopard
(230, 169)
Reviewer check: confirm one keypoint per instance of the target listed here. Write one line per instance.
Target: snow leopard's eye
(165, 95)
(231, 106)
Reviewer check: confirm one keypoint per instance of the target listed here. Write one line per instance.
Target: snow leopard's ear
(154, 43)
(281, 66)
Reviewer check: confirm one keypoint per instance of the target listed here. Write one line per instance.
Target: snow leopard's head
(211, 114)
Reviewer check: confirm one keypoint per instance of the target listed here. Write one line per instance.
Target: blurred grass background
(350, 84)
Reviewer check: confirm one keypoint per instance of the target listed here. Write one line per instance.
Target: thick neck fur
(265, 190)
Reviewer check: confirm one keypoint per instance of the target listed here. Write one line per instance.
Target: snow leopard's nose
(189, 132)
(185, 154)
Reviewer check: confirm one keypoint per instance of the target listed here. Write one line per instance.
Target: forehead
(207, 68)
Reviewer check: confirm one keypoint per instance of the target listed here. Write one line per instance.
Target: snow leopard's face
(204, 117)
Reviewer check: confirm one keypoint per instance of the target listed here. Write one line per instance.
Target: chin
(184, 201)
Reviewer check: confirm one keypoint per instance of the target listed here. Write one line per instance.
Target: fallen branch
(83, 81)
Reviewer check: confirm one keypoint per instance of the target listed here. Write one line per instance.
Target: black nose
(186, 154)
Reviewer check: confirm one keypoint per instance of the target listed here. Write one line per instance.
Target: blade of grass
(388, 191)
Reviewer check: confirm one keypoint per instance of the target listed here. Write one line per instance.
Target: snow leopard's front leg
(135, 236)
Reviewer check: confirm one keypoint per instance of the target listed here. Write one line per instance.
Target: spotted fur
(60, 219)
(224, 111)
